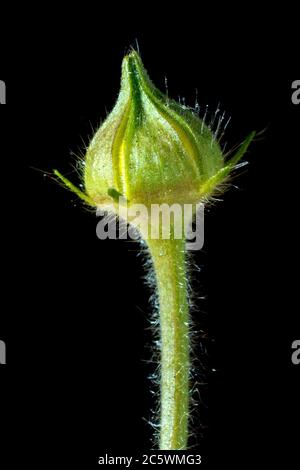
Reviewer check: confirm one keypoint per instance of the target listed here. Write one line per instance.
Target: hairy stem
(169, 260)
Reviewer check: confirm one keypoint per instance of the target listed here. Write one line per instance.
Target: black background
(75, 311)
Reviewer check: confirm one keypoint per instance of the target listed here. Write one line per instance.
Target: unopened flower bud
(152, 150)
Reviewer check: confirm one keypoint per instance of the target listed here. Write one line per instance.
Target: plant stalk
(169, 261)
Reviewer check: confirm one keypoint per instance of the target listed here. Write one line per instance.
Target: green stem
(169, 260)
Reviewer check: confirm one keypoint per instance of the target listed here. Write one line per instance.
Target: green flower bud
(152, 150)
